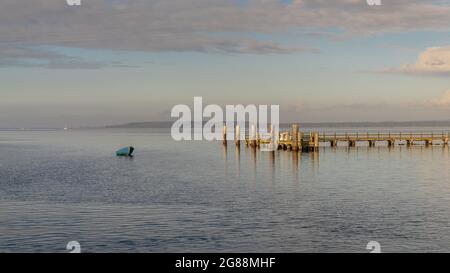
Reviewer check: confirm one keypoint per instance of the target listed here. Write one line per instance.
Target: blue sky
(109, 62)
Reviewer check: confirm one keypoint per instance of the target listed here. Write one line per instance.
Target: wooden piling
(334, 142)
(315, 142)
(294, 134)
(253, 136)
(224, 137)
(237, 134)
(312, 144)
(300, 140)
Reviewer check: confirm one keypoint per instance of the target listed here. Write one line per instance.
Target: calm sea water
(58, 186)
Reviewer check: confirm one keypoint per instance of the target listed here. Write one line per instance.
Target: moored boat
(126, 151)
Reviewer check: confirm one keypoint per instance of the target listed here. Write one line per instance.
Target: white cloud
(433, 61)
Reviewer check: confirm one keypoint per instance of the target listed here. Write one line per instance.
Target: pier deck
(310, 141)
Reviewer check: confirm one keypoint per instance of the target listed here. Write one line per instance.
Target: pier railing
(310, 141)
(380, 136)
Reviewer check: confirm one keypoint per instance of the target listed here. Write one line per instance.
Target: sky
(117, 61)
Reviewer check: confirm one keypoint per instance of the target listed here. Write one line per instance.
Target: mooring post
(238, 135)
(224, 134)
(253, 136)
(294, 134)
(316, 141)
(270, 130)
(300, 140)
(289, 143)
(352, 142)
(258, 139)
(280, 138)
(305, 142)
(271, 133)
(333, 142)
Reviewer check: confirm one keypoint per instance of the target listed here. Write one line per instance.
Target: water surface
(59, 186)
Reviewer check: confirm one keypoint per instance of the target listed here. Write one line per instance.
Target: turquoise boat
(127, 151)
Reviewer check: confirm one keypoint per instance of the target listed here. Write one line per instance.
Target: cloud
(442, 101)
(8, 51)
(38, 56)
(377, 111)
(205, 25)
(433, 61)
(219, 26)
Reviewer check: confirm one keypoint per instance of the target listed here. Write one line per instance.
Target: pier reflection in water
(281, 165)
(256, 162)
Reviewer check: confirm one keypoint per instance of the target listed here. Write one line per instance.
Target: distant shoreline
(168, 124)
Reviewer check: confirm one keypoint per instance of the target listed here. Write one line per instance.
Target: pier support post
(300, 140)
(446, 140)
(258, 140)
(224, 134)
(315, 147)
(238, 136)
(409, 142)
(352, 143)
(428, 142)
(307, 143)
(391, 142)
(253, 141)
(372, 143)
(333, 143)
(279, 141)
(294, 134)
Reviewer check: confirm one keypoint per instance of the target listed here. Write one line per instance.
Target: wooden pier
(294, 140)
